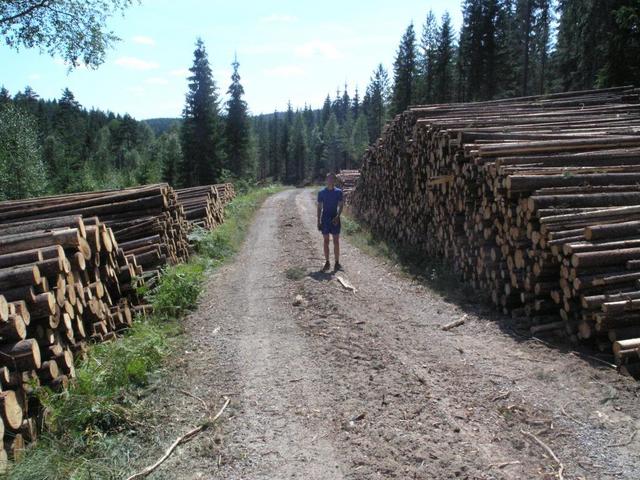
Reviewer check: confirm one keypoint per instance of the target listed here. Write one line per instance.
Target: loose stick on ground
(183, 439)
(454, 324)
(548, 450)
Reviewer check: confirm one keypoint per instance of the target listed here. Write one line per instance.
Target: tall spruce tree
(377, 102)
(426, 60)
(443, 62)
(237, 128)
(404, 72)
(485, 68)
(288, 171)
(202, 129)
(298, 149)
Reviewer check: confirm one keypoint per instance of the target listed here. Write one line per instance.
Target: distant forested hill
(162, 125)
(59, 146)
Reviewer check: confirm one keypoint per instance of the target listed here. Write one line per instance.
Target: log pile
(147, 221)
(226, 192)
(70, 269)
(346, 181)
(534, 200)
(64, 282)
(204, 206)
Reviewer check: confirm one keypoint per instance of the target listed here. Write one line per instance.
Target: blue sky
(288, 50)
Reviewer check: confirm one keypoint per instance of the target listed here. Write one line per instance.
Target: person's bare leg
(326, 248)
(336, 248)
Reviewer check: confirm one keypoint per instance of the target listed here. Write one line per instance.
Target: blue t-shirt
(329, 200)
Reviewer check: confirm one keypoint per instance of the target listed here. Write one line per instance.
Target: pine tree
(288, 171)
(426, 60)
(237, 128)
(355, 106)
(275, 169)
(262, 129)
(377, 96)
(622, 60)
(202, 130)
(316, 152)
(333, 150)
(404, 71)
(443, 62)
(326, 110)
(298, 149)
(359, 140)
(485, 68)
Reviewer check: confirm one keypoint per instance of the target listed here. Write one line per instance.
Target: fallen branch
(183, 439)
(454, 324)
(189, 394)
(548, 450)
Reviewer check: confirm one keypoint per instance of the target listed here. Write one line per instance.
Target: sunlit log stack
(533, 200)
(64, 281)
(147, 221)
(347, 180)
(204, 206)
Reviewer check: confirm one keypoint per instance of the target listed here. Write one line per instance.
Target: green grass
(434, 273)
(93, 427)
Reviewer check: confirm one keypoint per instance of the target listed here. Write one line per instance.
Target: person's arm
(319, 212)
(336, 219)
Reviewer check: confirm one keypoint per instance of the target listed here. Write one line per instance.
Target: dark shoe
(337, 267)
(327, 267)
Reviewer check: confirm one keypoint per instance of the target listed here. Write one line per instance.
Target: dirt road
(366, 384)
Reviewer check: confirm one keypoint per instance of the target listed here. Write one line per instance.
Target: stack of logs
(64, 281)
(347, 180)
(226, 192)
(204, 206)
(535, 200)
(70, 268)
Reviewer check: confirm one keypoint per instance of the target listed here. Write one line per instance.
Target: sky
(288, 50)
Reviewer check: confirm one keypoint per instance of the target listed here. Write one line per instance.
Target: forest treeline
(504, 48)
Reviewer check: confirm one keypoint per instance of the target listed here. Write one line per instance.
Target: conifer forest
(504, 48)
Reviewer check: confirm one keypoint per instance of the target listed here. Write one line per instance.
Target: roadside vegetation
(95, 427)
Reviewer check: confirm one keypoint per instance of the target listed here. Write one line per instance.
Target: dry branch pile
(534, 200)
(70, 268)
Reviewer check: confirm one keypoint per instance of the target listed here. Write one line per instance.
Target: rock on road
(367, 385)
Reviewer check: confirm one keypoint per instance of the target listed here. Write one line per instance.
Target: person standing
(330, 206)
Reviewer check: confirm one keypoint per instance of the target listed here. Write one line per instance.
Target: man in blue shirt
(329, 210)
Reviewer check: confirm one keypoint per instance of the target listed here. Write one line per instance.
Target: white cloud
(284, 71)
(278, 18)
(136, 63)
(34, 76)
(157, 81)
(318, 48)
(142, 40)
(180, 72)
